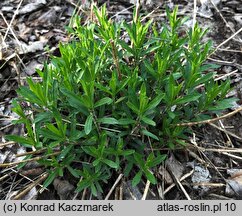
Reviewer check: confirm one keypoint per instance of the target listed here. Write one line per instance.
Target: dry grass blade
(227, 40)
(13, 18)
(194, 13)
(121, 192)
(178, 183)
(29, 187)
(194, 155)
(4, 127)
(223, 151)
(209, 184)
(7, 144)
(28, 160)
(222, 62)
(9, 28)
(32, 152)
(84, 194)
(233, 150)
(137, 11)
(233, 156)
(225, 131)
(229, 142)
(225, 21)
(211, 164)
(181, 179)
(226, 75)
(114, 186)
(230, 50)
(122, 11)
(210, 120)
(4, 177)
(147, 186)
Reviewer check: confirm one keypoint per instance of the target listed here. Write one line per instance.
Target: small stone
(32, 38)
(7, 9)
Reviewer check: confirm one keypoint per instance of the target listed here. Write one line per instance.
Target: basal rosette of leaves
(115, 95)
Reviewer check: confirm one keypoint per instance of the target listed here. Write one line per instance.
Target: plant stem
(95, 122)
(115, 57)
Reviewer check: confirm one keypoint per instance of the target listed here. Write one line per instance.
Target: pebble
(7, 9)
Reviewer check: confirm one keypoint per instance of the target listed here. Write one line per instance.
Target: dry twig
(177, 181)
(147, 186)
(181, 179)
(32, 185)
(7, 144)
(114, 186)
(227, 40)
(28, 160)
(210, 120)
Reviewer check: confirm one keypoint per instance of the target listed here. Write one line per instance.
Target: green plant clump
(115, 96)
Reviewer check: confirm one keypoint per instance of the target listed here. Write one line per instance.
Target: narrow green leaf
(150, 176)
(188, 98)
(75, 100)
(149, 134)
(128, 152)
(155, 102)
(54, 144)
(103, 88)
(77, 135)
(103, 101)
(203, 79)
(96, 162)
(65, 151)
(128, 168)
(126, 47)
(91, 151)
(119, 100)
(157, 161)
(126, 121)
(50, 178)
(181, 142)
(137, 178)
(172, 115)
(110, 163)
(207, 67)
(148, 121)
(22, 140)
(84, 183)
(143, 99)
(50, 135)
(150, 68)
(139, 160)
(123, 84)
(133, 107)
(21, 165)
(18, 109)
(108, 120)
(88, 124)
(151, 49)
(54, 130)
(93, 189)
(43, 116)
(98, 186)
(29, 95)
(223, 104)
(60, 171)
